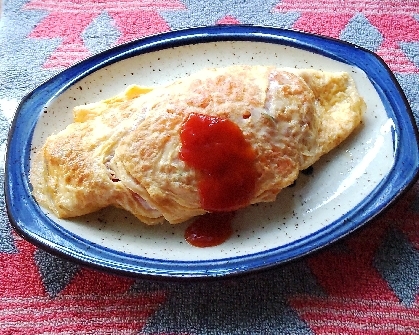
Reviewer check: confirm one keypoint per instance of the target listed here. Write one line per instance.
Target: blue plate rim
(17, 187)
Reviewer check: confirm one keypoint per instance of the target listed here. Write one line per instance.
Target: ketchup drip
(210, 229)
(217, 148)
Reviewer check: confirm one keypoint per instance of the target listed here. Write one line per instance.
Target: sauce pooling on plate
(217, 148)
(210, 229)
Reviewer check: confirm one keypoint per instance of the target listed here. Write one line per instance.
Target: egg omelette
(124, 151)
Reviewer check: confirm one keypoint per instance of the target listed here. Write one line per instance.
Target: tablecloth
(366, 283)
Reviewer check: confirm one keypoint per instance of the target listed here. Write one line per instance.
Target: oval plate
(348, 187)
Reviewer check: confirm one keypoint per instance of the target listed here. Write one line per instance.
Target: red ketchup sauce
(210, 229)
(217, 148)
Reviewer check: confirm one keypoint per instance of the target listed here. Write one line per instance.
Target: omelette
(126, 151)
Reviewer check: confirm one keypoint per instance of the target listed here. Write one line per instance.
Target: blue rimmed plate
(348, 187)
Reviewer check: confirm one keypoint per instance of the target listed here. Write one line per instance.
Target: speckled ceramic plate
(347, 188)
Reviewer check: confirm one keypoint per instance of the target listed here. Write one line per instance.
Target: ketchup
(210, 229)
(217, 148)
